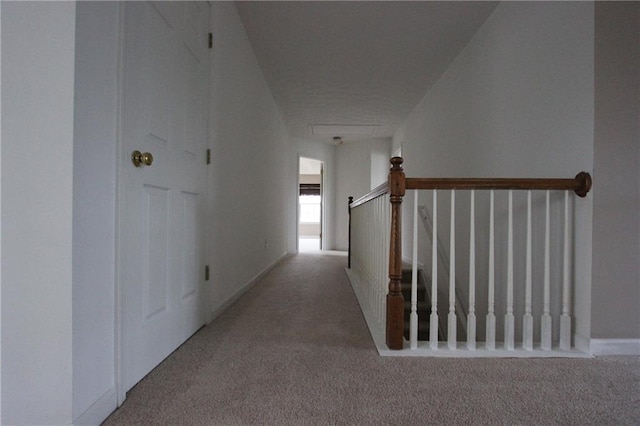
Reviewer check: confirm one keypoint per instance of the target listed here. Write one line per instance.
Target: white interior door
(164, 113)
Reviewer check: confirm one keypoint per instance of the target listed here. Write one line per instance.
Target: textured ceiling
(355, 68)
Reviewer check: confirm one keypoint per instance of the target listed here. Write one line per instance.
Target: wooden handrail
(379, 190)
(581, 184)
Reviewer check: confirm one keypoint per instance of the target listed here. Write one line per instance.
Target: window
(310, 211)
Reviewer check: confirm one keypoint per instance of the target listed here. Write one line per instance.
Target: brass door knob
(140, 159)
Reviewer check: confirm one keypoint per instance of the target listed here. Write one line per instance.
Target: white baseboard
(581, 343)
(100, 410)
(216, 312)
(599, 347)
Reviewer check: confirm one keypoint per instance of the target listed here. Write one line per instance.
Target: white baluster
(452, 323)
(375, 253)
(545, 338)
(527, 321)
(509, 330)
(381, 251)
(367, 253)
(378, 251)
(433, 319)
(491, 318)
(384, 254)
(565, 318)
(381, 255)
(471, 316)
(372, 254)
(413, 326)
(367, 250)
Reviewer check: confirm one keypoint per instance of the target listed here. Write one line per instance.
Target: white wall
(1, 221)
(517, 102)
(249, 174)
(380, 165)
(94, 210)
(361, 166)
(37, 163)
(321, 152)
(616, 189)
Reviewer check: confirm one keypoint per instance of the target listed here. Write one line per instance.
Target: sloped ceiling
(355, 69)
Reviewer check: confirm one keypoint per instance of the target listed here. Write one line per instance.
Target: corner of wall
(616, 196)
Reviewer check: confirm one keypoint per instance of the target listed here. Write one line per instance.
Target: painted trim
(207, 290)
(120, 390)
(216, 312)
(581, 342)
(600, 347)
(100, 410)
(1, 242)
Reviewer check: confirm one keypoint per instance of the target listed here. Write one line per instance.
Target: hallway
(459, 89)
(295, 350)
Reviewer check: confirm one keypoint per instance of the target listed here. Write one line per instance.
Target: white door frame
(119, 301)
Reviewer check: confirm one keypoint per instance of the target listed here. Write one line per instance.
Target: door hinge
(210, 40)
(206, 273)
(208, 156)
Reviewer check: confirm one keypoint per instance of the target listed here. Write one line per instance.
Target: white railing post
(433, 319)
(509, 328)
(452, 322)
(491, 317)
(545, 336)
(527, 321)
(369, 253)
(565, 318)
(380, 251)
(372, 251)
(471, 316)
(413, 325)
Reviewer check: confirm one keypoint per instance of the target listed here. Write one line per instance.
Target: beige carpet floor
(295, 350)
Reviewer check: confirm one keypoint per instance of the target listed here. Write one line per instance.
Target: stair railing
(369, 227)
(396, 187)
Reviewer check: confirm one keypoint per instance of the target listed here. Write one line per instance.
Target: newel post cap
(396, 163)
(397, 180)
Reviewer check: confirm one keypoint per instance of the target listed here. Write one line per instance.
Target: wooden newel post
(349, 257)
(395, 300)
